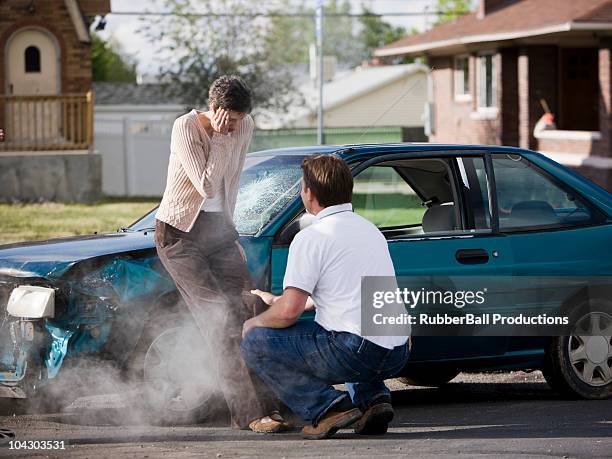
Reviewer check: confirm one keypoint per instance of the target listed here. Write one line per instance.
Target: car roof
(361, 152)
(360, 149)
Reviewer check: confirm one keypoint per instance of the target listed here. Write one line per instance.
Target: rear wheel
(430, 378)
(580, 365)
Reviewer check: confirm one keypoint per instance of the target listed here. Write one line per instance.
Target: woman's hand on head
(220, 121)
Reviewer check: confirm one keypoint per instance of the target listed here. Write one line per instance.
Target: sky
(122, 29)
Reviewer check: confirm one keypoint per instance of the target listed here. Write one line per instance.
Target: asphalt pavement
(476, 415)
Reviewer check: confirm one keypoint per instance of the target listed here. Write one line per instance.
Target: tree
(452, 9)
(349, 40)
(339, 34)
(195, 50)
(108, 62)
(290, 37)
(376, 33)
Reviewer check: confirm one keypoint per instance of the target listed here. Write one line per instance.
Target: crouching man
(300, 361)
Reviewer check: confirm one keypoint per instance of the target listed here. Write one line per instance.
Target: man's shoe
(376, 419)
(331, 423)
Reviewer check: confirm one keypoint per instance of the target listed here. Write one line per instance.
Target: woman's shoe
(274, 423)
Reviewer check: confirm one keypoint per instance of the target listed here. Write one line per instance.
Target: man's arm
(283, 312)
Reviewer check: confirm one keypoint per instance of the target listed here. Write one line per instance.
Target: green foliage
(195, 50)
(266, 51)
(339, 36)
(452, 9)
(376, 33)
(108, 64)
(290, 38)
(350, 40)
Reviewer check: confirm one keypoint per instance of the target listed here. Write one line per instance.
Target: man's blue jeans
(300, 364)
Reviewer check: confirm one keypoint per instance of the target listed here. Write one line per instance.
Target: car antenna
(410, 88)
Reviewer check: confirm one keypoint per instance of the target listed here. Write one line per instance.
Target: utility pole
(319, 32)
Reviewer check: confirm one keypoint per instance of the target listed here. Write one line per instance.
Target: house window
(462, 78)
(32, 59)
(487, 89)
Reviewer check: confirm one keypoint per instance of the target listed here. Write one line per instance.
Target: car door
(553, 233)
(551, 229)
(435, 212)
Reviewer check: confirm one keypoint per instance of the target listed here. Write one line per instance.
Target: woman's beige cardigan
(197, 165)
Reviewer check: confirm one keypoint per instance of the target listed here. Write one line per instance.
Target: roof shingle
(516, 17)
(115, 93)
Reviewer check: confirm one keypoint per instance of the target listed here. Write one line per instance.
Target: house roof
(364, 80)
(518, 19)
(345, 87)
(77, 21)
(92, 8)
(115, 93)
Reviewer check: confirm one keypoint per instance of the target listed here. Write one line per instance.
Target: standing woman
(198, 244)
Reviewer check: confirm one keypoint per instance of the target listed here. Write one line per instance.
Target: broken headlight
(32, 302)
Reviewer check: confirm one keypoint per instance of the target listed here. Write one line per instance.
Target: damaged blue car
(105, 300)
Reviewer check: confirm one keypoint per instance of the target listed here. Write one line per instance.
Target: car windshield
(267, 184)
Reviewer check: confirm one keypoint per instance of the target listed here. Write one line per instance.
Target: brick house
(492, 68)
(46, 106)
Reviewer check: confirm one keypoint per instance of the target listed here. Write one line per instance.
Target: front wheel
(178, 380)
(580, 365)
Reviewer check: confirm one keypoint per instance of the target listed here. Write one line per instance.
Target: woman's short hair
(230, 92)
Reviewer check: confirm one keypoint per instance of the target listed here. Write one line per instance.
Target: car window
(382, 196)
(416, 196)
(267, 185)
(527, 199)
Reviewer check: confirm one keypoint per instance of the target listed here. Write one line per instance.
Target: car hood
(51, 259)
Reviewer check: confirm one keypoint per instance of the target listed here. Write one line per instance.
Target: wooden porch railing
(34, 123)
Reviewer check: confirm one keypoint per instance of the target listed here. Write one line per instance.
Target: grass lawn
(389, 209)
(31, 222)
(385, 218)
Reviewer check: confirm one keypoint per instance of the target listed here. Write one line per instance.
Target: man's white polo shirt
(327, 260)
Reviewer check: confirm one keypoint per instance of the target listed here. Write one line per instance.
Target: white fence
(134, 142)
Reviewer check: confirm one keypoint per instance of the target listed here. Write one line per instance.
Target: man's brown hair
(329, 178)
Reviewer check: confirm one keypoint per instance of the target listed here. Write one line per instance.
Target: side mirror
(288, 233)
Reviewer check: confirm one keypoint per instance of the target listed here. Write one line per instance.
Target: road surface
(476, 415)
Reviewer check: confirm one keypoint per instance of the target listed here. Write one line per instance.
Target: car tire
(435, 377)
(581, 366)
(176, 384)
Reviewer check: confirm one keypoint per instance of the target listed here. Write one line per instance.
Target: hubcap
(178, 371)
(591, 355)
